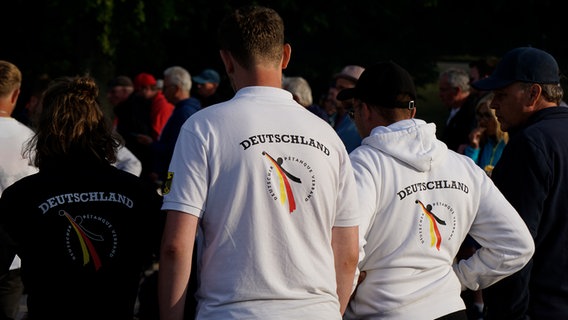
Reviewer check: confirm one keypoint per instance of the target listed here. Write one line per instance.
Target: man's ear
(287, 52)
(412, 113)
(227, 61)
(534, 92)
(14, 97)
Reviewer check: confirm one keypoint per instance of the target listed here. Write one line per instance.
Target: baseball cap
(350, 72)
(524, 64)
(381, 84)
(207, 75)
(144, 80)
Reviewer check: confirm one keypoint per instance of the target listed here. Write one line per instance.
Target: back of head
(145, 80)
(10, 78)
(72, 125)
(252, 34)
(388, 90)
(300, 89)
(384, 85)
(178, 76)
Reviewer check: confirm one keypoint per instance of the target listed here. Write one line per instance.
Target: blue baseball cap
(524, 64)
(207, 75)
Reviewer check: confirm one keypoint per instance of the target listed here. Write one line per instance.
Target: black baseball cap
(523, 64)
(381, 84)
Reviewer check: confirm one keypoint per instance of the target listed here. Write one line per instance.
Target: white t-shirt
(269, 180)
(127, 161)
(13, 166)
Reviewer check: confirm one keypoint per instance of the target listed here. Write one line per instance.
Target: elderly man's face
(512, 105)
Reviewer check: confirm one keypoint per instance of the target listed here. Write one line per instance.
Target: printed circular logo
(437, 223)
(289, 180)
(89, 238)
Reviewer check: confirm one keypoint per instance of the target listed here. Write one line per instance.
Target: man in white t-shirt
(13, 166)
(418, 201)
(271, 189)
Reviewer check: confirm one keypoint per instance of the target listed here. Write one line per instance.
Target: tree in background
(110, 37)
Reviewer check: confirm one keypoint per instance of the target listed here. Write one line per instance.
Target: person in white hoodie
(418, 201)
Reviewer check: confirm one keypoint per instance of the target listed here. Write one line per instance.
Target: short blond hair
(10, 78)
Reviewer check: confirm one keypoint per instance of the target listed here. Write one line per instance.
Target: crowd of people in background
(190, 202)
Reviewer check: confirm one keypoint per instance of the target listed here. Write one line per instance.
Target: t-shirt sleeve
(187, 181)
(347, 204)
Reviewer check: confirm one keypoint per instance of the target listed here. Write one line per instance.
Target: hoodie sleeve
(507, 244)
(367, 191)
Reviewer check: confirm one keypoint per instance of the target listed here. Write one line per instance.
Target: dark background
(111, 37)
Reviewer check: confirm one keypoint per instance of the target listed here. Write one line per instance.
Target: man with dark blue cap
(533, 175)
(207, 85)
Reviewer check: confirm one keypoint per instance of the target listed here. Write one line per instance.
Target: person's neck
(265, 77)
(6, 107)
(460, 102)
(175, 100)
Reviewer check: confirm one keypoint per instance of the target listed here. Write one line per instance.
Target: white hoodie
(418, 201)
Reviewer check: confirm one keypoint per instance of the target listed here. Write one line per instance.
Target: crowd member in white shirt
(13, 166)
(271, 188)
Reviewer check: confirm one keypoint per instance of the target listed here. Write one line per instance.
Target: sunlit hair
(300, 89)
(10, 78)
(179, 77)
(252, 35)
(552, 92)
(457, 78)
(72, 125)
(485, 102)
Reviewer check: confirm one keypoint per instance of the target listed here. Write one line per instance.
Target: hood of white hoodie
(412, 141)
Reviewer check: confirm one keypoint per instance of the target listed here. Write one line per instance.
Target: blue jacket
(163, 148)
(533, 175)
(347, 131)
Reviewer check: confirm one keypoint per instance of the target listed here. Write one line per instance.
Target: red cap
(144, 80)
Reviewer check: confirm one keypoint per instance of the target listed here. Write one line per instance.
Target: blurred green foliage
(110, 37)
